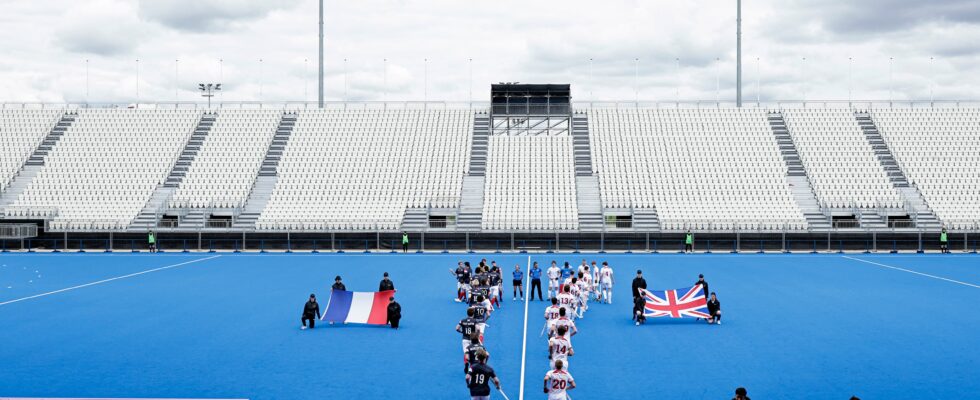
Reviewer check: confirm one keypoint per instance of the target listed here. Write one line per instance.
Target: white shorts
(606, 285)
(552, 284)
(481, 326)
(466, 344)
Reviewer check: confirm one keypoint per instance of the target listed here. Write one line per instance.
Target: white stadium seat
(21, 131)
(839, 161)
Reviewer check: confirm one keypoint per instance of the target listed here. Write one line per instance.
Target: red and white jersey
(560, 347)
(554, 273)
(551, 313)
(606, 275)
(567, 300)
(595, 273)
(583, 287)
(488, 305)
(581, 269)
(587, 279)
(558, 382)
(568, 324)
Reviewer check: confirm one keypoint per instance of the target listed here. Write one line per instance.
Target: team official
(394, 312)
(311, 311)
(535, 282)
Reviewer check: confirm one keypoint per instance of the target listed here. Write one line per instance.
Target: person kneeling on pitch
(479, 376)
(311, 311)
(638, 305)
(714, 310)
(394, 312)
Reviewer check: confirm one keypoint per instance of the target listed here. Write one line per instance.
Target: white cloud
(508, 40)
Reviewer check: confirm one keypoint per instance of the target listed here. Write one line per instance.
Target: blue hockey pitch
(227, 326)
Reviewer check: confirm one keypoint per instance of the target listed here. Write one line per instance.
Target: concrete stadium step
(149, 216)
(415, 219)
(915, 203)
(479, 145)
(190, 150)
(193, 220)
(589, 203)
(35, 162)
(470, 215)
(796, 177)
(268, 176)
(646, 220)
(581, 145)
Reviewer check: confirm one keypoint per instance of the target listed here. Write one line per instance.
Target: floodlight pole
(738, 75)
(321, 55)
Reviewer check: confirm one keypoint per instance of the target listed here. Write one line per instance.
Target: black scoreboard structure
(530, 109)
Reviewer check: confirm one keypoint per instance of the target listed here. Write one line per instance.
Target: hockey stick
(543, 329)
(503, 394)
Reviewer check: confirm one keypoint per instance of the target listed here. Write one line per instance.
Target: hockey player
(558, 381)
(606, 282)
(559, 347)
(554, 273)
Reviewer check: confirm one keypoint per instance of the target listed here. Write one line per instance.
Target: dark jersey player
(475, 348)
(478, 378)
(467, 326)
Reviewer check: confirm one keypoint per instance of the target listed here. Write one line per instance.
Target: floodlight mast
(208, 89)
(738, 39)
(321, 55)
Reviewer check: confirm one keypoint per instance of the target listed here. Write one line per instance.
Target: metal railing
(17, 231)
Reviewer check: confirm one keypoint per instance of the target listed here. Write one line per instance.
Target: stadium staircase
(586, 181)
(36, 161)
(470, 216)
(799, 183)
(646, 220)
(916, 204)
(416, 219)
(149, 215)
(265, 182)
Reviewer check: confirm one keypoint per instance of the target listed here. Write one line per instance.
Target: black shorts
(517, 282)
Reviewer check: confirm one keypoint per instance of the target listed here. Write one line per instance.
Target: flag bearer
(311, 311)
(394, 312)
(714, 309)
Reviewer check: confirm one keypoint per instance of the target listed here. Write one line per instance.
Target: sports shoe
(302, 327)
(637, 323)
(514, 299)
(719, 322)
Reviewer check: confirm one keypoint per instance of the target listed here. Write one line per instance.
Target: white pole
(890, 82)
(321, 57)
(718, 81)
(932, 80)
(345, 80)
(137, 83)
(591, 83)
(636, 80)
(306, 80)
(471, 82)
(758, 83)
(176, 81)
(803, 69)
(261, 80)
(384, 91)
(738, 73)
(677, 73)
(425, 84)
(86, 82)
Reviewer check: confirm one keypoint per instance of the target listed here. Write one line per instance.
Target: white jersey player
(606, 281)
(551, 314)
(567, 300)
(594, 269)
(583, 296)
(553, 274)
(560, 348)
(582, 268)
(558, 381)
(564, 322)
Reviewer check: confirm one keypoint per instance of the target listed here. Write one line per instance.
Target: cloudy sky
(792, 49)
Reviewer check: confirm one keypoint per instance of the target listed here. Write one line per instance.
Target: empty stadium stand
(530, 184)
(360, 169)
(838, 159)
(699, 168)
(26, 137)
(594, 170)
(938, 150)
(107, 165)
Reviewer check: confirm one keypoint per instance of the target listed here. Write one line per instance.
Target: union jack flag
(667, 303)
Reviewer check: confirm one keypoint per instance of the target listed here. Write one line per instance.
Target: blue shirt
(535, 273)
(518, 275)
(565, 273)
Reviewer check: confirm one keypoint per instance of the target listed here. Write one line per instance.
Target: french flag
(358, 307)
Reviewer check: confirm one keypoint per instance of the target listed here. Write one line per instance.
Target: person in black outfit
(386, 284)
(638, 305)
(479, 376)
(472, 350)
(337, 284)
(741, 394)
(394, 312)
(311, 311)
(638, 283)
(535, 274)
(703, 283)
(714, 309)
